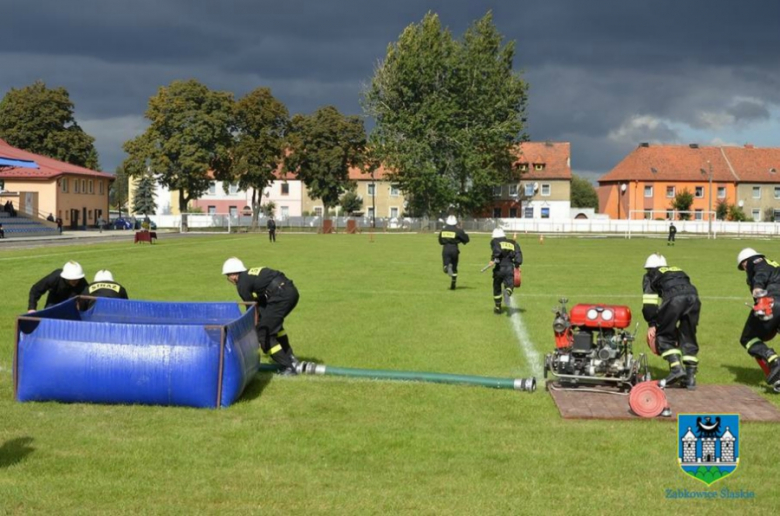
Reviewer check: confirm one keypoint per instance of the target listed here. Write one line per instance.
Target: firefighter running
(763, 278)
(60, 285)
(275, 296)
(449, 237)
(671, 307)
(506, 256)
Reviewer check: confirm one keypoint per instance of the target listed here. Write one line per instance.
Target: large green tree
(189, 135)
(118, 192)
(583, 195)
(143, 200)
(682, 202)
(323, 146)
(261, 123)
(449, 115)
(40, 120)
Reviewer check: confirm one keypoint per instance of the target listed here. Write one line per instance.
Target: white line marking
(531, 355)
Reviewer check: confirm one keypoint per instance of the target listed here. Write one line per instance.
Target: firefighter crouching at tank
(275, 296)
(763, 278)
(671, 307)
(506, 256)
(103, 285)
(60, 284)
(449, 237)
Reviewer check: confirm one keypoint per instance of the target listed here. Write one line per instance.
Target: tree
(323, 147)
(268, 208)
(449, 115)
(117, 193)
(769, 215)
(583, 195)
(261, 123)
(737, 214)
(351, 202)
(189, 136)
(722, 209)
(682, 202)
(143, 200)
(40, 120)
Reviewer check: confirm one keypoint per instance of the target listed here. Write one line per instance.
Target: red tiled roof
(554, 155)
(685, 163)
(48, 168)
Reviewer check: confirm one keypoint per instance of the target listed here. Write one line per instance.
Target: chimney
(644, 144)
(748, 145)
(693, 145)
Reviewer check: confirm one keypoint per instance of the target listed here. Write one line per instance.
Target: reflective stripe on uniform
(690, 359)
(651, 299)
(497, 297)
(674, 364)
(282, 333)
(671, 352)
(771, 359)
(275, 349)
(751, 343)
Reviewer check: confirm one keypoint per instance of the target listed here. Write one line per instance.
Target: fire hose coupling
(525, 384)
(763, 305)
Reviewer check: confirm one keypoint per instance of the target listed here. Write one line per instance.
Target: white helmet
(72, 271)
(744, 254)
(498, 233)
(452, 220)
(654, 261)
(233, 266)
(104, 275)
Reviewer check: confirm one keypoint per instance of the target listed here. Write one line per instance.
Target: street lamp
(373, 201)
(709, 215)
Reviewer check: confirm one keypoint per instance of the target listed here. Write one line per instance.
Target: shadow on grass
(748, 375)
(14, 451)
(263, 378)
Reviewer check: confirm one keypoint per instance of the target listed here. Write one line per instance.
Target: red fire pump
(593, 347)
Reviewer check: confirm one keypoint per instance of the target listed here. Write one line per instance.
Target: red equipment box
(600, 316)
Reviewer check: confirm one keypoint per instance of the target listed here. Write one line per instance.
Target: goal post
(692, 222)
(205, 223)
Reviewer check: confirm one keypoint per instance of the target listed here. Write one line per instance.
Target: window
(75, 186)
(529, 190)
(67, 214)
(212, 210)
(497, 212)
(285, 188)
(496, 191)
(757, 215)
(545, 190)
(545, 213)
(699, 192)
(233, 189)
(318, 211)
(523, 167)
(777, 216)
(513, 213)
(669, 214)
(539, 166)
(212, 188)
(370, 212)
(756, 192)
(648, 214)
(91, 187)
(393, 212)
(529, 212)
(371, 187)
(669, 192)
(648, 191)
(285, 212)
(89, 215)
(721, 192)
(100, 187)
(233, 210)
(394, 190)
(777, 192)
(512, 190)
(698, 215)
(65, 184)
(83, 186)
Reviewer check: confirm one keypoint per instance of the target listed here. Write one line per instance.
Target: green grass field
(346, 446)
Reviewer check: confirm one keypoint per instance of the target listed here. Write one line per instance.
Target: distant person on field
(672, 233)
(763, 279)
(2, 231)
(275, 296)
(449, 238)
(60, 284)
(50, 218)
(59, 225)
(671, 307)
(505, 256)
(271, 224)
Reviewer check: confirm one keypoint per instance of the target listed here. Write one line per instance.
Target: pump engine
(593, 347)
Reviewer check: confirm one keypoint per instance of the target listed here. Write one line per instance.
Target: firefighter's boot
(773, 376)
(676, 373)
(690, 377)
(497, 309)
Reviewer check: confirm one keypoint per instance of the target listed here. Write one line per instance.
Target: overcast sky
(604, 75)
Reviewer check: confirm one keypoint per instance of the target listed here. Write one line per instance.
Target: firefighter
(275, 296)
(449, 237)
(105, 286)
(671, 307)
(506, 256)
(672, 233)
(60, 284)
(763, 278)
(271, 224)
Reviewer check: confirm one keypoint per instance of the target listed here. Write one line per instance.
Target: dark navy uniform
(763, 274)
(58, 289)
(671, 304)
(271, 224)
(276, 296)
(450, 237)
(672, 233)
(506, 256)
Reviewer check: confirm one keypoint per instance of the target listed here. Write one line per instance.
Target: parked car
(122, 223)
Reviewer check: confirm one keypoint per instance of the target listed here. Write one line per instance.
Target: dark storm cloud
(603, 75)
